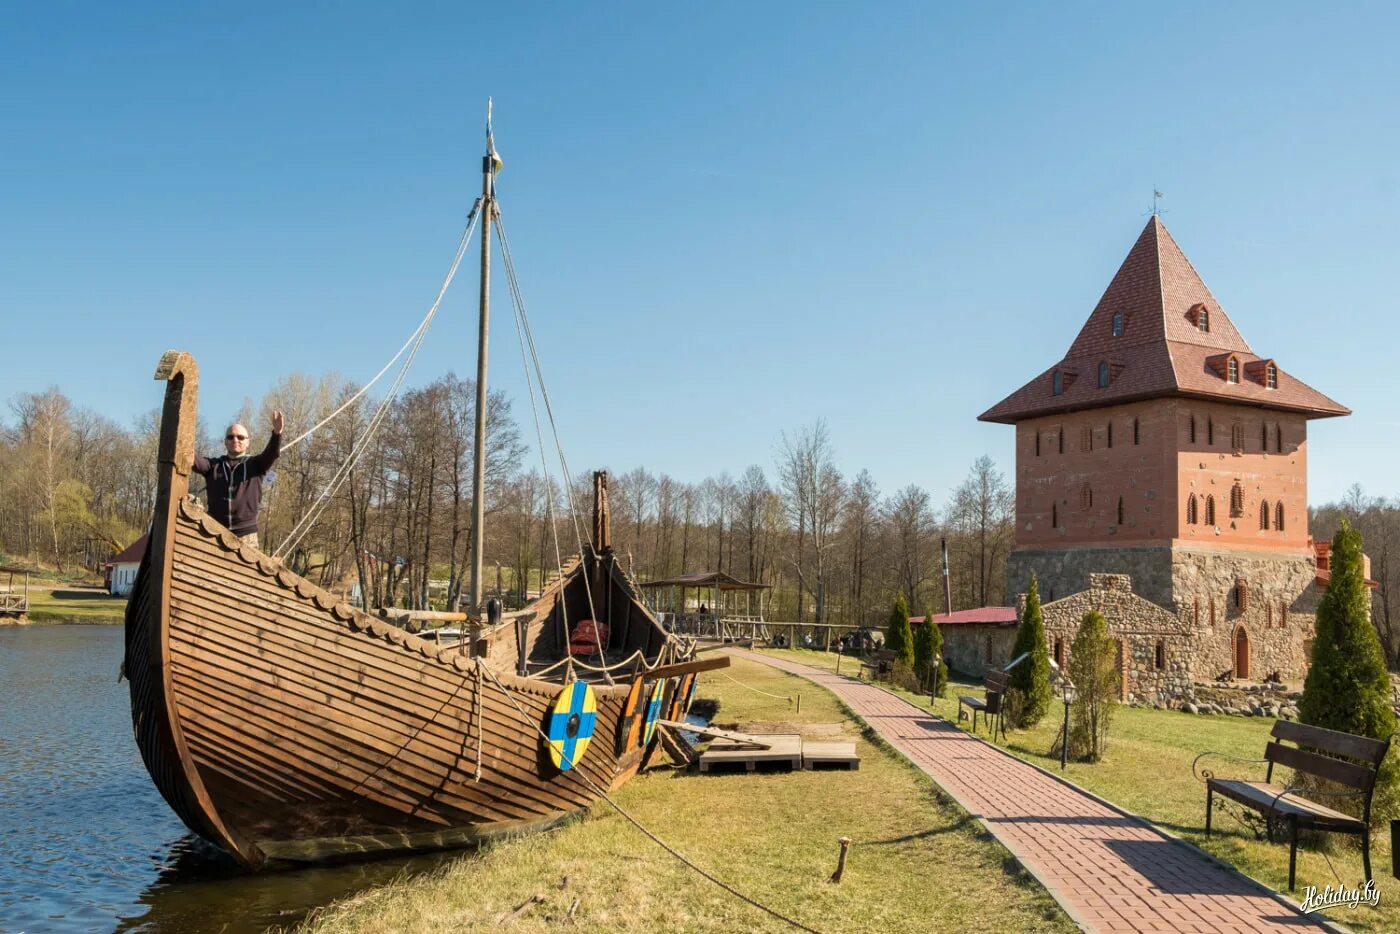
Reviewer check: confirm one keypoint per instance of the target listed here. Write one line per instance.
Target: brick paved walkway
(1110, 871)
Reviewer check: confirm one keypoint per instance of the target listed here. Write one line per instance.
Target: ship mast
(489, 164)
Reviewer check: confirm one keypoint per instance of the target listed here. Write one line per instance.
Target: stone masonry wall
(974, 649)
(1141, 628)
(1277, 620)
(1063, 572)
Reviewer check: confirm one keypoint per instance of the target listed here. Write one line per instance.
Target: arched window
(1054, 515)
(1278, 438)
(1193, 429)
(1062, 439)
(1086, 438)
(1037, 444)
(1264, 515)
(1242, 595)
(1264, 436)
(1270, 377)
(1283, 618)
(1086, 497)
(1210, 510)
(1118, 324)
(1057, 383)
(1236, 500)
(1203, 318)
(1109, 433)
(1196, 611)
(1120, 510)
(1210, 431)
(1232, 371)
(1237, 438)
(1212, 612)
(1160, 656)
(1191, 516)
(1137, 432)
(1278, 516)
(1103, 374)
(1060, 652)
(1268, 616)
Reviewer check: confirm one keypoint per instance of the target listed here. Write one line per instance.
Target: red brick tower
(1162, 447)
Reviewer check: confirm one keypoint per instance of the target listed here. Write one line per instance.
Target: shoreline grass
(917, 862)
(68, 604)
(1147, 770)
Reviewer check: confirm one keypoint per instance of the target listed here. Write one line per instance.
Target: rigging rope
(422, 326)
(527, 340)
(529, 721)
(361, 445)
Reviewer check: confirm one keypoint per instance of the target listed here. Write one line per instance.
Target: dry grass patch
(917, 862)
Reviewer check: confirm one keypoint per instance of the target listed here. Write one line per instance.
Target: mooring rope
(529, 721)
(786, 697)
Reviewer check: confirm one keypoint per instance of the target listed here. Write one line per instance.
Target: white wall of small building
(123, 577)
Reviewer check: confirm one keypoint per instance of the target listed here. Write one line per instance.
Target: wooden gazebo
(14, 604)
(709, 603)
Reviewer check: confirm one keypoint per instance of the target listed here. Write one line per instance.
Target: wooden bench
(879, 664)
(990, 707)
(1338, 757)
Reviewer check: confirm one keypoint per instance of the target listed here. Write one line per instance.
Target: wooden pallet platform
(784, 749)
(829, 756)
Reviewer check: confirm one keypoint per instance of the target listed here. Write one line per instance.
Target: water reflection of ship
(202, 888)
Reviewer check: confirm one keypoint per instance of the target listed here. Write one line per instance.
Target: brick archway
(1239, 652)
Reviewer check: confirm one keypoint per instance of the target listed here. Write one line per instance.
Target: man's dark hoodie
(235, 485)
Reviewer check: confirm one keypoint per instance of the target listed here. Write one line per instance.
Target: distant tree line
(76, 487)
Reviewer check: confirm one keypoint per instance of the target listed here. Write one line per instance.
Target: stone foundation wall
(1063, 572)
(966, 647)
(1277, 620)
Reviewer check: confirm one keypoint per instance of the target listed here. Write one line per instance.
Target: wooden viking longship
(281, 723)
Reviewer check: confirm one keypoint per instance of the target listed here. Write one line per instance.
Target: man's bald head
(236, 440)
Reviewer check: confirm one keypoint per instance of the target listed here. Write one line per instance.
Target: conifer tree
(924, 651)
(898, 637)
(1347, 687)
(1030, 680)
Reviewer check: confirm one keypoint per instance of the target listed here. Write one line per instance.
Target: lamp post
(1067, 686)
(933, 671)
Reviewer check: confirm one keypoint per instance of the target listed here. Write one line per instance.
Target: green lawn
(68, 604)
(774, 836)
(1147, 770)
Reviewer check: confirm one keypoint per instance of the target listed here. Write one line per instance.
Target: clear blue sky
(729, 219)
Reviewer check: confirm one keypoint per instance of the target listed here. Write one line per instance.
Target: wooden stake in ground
(536, 899)
(841, 860)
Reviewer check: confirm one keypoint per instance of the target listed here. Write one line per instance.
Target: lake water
(86, 841)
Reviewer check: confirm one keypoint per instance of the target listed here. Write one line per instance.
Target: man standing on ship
(235, 480)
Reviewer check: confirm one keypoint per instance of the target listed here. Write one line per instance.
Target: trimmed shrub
(1093, 669)
(1347, 687)
(1028, 694)
(898, 637)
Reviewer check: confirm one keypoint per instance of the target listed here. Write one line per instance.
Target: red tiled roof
(1162, 351)
(133, 552)
(999, 615)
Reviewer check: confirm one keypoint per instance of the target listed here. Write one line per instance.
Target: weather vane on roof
(1157, 196)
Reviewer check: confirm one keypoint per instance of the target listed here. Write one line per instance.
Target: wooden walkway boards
(1110, 870)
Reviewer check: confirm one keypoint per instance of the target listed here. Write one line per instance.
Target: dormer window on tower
(1271, 376)
(1118, 324)
(1232, 370)
(1057, 382)
(1202, 317)
(1103, 374)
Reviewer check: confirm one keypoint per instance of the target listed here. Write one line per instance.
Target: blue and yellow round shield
(570, 726)
(653, 712)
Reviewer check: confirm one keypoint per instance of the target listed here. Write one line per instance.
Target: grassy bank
(774, 836)
(1147, 770)
(67, 604)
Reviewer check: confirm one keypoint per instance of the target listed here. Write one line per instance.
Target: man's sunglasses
(235, 437)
